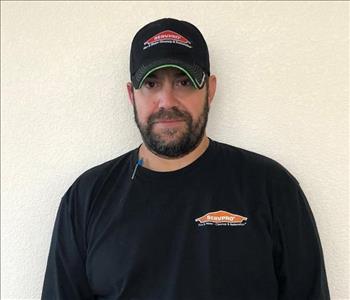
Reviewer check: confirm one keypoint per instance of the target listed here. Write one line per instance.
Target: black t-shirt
(231, 225)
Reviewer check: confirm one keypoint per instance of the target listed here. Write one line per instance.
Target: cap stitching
(170, 65)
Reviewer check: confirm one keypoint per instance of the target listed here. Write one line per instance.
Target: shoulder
(88, 182)
(104, 169)
(254, 165)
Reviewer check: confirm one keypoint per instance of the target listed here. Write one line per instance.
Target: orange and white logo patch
(221, 217)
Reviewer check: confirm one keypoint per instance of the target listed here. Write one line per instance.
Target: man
(183, 217)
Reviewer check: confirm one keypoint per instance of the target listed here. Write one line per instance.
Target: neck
(156, 163)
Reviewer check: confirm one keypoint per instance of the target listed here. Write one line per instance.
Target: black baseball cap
(169, 43)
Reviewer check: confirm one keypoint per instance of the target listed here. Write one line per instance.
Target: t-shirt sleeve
(65, 276)
(298, 255)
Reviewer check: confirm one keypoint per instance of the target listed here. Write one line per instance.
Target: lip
(169, 121)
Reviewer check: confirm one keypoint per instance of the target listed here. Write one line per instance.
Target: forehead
(167, 72)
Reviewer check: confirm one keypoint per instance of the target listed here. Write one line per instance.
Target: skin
(170, 90)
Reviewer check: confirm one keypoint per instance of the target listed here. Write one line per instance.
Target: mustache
(171, 114)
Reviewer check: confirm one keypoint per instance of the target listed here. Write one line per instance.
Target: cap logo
(167, 36)
(221, 217)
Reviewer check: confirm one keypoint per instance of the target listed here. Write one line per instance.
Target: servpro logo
(221, 217)
(167, 36)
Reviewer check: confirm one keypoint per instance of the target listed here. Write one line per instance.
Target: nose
(167, 96)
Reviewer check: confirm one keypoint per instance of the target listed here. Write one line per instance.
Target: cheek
(144, 110)
(195, 105)
(194, 110)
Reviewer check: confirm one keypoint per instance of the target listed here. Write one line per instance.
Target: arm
(65, 276)
(298, 255)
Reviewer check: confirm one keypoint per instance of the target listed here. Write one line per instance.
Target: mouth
(168, 123)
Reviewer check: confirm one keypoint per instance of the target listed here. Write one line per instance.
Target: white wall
(282, 71)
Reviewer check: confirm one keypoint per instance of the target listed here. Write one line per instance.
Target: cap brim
(194, 72)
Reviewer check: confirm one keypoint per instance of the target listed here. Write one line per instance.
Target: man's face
(170, 113)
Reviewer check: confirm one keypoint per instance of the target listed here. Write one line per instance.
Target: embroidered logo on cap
(221, 217)
(167, 36)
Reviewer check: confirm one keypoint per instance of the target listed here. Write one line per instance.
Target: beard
(177, 141)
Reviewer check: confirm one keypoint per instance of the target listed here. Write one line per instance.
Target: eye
(186, 82)
(149, 84)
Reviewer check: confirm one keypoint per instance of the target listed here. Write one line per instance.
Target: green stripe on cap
(168, 65)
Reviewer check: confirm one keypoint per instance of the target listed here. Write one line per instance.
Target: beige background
(282, 71)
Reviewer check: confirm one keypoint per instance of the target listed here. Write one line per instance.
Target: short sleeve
(65, 276)
(298, 255)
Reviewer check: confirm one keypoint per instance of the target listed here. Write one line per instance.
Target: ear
(131, 93)
(212, 88)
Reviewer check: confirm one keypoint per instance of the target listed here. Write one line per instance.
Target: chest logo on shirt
(221, 217)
